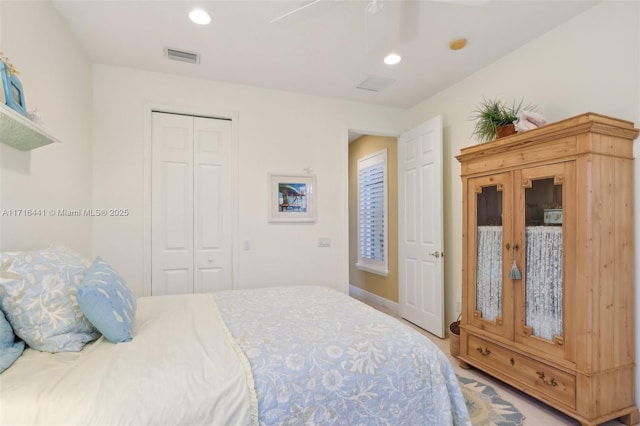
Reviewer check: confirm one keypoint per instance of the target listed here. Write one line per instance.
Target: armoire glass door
(544, 224)
(489, 229)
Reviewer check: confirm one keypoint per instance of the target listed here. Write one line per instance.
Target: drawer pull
(483, 352)
(551, 382)
(513, 361)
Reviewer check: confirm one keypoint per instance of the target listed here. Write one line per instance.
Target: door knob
(210, 260)
(436, 254)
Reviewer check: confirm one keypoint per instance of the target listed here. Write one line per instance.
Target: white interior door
(190, 204)
(172, 204)
(420, 245)
(212, 205)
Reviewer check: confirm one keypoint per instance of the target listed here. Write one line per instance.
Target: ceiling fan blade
(409, 22)
(304, 6)
(377, 27)
(465, 2)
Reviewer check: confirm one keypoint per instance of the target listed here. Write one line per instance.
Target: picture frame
(292, 197)
(12, 89)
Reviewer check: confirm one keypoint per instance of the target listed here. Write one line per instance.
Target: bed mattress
(182, 367)
(272, 356)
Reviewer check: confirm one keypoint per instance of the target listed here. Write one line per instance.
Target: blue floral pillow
(38, 296)
(10, 349)
(107, 301)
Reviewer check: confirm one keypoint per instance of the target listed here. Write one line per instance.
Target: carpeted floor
(486, 408)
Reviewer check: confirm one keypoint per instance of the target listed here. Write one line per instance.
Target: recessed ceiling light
(199, 16)
(392, 59)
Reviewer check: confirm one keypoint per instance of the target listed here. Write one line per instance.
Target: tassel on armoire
(515, 273)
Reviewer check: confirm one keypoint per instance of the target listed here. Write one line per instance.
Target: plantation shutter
(372, 217)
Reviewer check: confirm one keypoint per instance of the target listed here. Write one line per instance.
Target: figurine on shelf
(34, 115)
(528, 120)
(11, 70)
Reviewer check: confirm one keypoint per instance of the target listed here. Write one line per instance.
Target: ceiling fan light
(392, 59)
(199, 16)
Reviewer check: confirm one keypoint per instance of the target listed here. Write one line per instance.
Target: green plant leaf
(493, 113)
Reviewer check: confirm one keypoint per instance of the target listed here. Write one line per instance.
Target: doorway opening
(367, 283)
(417, 207)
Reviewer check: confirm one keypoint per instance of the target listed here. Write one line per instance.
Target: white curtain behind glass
(544, 280)
(489, 272)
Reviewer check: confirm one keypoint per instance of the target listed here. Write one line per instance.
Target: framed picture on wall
(12, 88)
(291, 198)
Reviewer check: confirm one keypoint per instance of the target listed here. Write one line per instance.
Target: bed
(283, 355)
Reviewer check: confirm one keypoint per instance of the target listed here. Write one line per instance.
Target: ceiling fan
(296, 10)
(375, 16)
(373, 7)
(377, 21)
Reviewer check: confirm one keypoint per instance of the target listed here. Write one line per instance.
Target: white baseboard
(359, 293)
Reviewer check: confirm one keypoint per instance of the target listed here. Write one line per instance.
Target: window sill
(378, 271)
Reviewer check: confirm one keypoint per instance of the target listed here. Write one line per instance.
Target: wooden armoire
(548, 265)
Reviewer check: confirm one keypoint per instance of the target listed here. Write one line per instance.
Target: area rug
(485, 406)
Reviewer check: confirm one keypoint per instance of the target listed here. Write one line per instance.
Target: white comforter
(182, 367)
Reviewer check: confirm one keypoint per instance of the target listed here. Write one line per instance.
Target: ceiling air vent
(375, 84)
(182, 55)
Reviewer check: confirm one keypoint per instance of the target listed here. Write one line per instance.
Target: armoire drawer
(550, 381)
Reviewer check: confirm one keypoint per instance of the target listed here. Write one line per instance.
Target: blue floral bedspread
(319, 357)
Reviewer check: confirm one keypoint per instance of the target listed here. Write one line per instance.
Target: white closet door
(191, 204)
(172, 204)
(212, 202)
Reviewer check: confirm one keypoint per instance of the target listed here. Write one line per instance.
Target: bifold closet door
(191, 202)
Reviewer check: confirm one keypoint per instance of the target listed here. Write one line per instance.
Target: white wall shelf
(20, 132)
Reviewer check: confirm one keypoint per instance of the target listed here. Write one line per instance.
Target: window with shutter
(372, 213)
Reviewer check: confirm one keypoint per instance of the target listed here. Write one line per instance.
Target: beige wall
(56, 77)
(386, 287)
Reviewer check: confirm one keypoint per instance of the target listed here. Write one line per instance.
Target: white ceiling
(321, 50)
